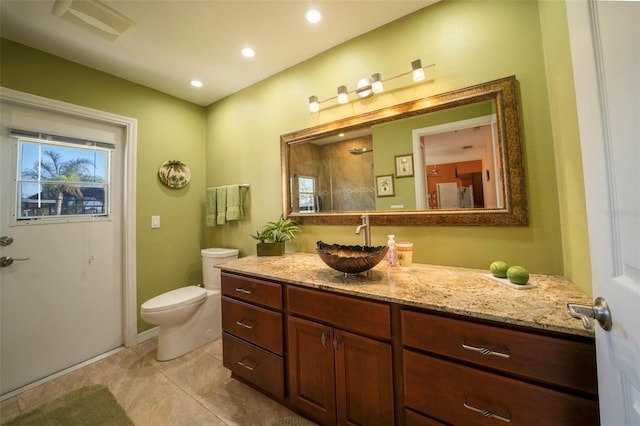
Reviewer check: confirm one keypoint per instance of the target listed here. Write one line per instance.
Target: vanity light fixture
(368, 86)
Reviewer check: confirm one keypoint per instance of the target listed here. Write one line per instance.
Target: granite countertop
(454, 290)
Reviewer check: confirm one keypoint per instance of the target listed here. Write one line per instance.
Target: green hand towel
(210, 207)
(234, 202)
(221, 205)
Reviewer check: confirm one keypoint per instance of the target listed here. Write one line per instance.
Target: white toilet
(189, 316)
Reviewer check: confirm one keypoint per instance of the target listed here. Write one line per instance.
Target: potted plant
(272, 237)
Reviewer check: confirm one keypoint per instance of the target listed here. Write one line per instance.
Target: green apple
(499, 269)
(518, 275)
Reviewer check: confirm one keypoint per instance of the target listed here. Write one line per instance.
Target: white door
(605, 45)
(64, 305)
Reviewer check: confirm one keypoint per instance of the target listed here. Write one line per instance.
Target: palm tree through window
(60, 179)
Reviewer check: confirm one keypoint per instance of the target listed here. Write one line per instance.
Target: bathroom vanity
(428, 345)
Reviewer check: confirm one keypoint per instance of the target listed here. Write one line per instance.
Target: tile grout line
(189, 394)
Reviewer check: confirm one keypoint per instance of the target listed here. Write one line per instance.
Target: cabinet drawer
(463, 395)
(257, 325)
(252, 290)
(344, 312)
(415, 419)
(566, 363)
(255, 365)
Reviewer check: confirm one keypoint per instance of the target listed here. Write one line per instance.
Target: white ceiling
(175, 41)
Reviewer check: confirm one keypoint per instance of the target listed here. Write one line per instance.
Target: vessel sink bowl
(350, 259)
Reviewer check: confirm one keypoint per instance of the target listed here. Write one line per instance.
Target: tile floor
(194, 389)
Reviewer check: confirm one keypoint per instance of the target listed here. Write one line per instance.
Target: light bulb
(343, 98)
(314, 106)
(376, 83)
(418, 71)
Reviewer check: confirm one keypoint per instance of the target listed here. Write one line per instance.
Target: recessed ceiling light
(248, 52)
(196, 83)
(313, 16)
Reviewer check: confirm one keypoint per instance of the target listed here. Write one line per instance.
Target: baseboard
(147, 334)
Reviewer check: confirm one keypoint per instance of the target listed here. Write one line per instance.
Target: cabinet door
(364, 380)
(311, 369)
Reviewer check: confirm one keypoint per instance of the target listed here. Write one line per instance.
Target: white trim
(148, 334)
(130, 125)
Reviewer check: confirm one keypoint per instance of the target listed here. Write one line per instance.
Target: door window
(62, 179)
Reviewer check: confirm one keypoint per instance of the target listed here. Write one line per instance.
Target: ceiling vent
(95, 17)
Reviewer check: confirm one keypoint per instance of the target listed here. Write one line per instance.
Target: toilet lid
(175, 298)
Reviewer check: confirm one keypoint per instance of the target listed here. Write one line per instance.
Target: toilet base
(203, 327)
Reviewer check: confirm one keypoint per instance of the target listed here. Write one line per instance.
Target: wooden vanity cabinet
(252, 332)
(468, 373)
(333, 358)
(339, 358)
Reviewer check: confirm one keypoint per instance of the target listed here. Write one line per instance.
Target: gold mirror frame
(502, 91)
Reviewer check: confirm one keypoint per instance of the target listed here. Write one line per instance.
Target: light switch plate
(155, 221)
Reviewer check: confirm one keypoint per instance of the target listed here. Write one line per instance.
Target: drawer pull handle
(244, 324)
(243, 290)
(485, 412)
(324, 339)
(485, 351)
(242, 363)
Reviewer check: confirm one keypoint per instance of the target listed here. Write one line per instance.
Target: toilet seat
(174, 299)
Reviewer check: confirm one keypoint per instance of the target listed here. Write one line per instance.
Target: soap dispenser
(392, 254)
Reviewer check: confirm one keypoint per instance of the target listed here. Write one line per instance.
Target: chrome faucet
(366, 236)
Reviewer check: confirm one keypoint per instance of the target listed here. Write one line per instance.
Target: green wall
(237, 140)
(470, 43)
(168, 128)
(566, 137)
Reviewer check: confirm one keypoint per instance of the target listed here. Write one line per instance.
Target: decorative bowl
(350, 259)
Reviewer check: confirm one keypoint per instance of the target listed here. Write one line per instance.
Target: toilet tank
(211, 257)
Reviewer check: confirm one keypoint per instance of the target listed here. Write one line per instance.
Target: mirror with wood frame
(449, 159)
